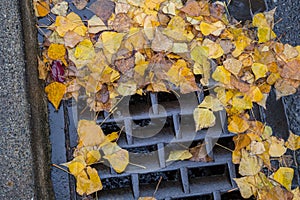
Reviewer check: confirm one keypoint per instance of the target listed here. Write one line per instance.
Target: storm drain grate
(180, 179)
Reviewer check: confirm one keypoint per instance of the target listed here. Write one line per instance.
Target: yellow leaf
(296, 193)
(277, 148)
(214, 28)
(211, 103)
(84, 50)
(202, 65)
(55, 92)
(41, 8)
(259, 70)
(241, 141)
(249, 165)
(255, 94)
(233, 65)
(179, 155)
(89, 133)
(246, 185)
(293, 142)
(60, 8)
(128, 88)
(265, 34)
(88, 182)
(221, 75)
(257, 147)
(117, 157)
(70, 23)
(92, 157)
(236, 156)
(260, 21)
(204, 118)
(240, 44)
(176, 30)
(112, 40)
(57, 52)
(284, 176)
(237, 124)
(76, 165)
(180, 48)
(214, 49)
(95, 25)
(112, 136)
(146, 198)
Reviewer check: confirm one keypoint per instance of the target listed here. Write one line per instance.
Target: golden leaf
(85, 50)
(41, 8)
(233, 65)
(112, 40)
(204, 118)
(117, 157)
(214, 28)
(241, 141)
(293, 142)
(296, 193)
(127, 88)
(57, 52)
(76, 166)
(257, 147)
(221, 75)
(89, 133)
(211, 103)
(112, 136)
(277, 148)
(259, 70)
(88, 182)
(255, 94)
(284, 176)
(55, 92)
(95, 25)
(240, 44)
(179, 155)
(146, 198)
(237, 124)
(265, 34)
(92, 157)
(249, 165)
(214, 49)
(247, 186)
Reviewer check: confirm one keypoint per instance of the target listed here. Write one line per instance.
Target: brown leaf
(103, 9)
(200, 154)
(291, 70)
(80, 4)
(275, 193)
(192, 8)
(121, 23)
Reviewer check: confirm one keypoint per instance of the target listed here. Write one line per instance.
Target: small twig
(137, 165)
(41, 30)
(156, 188)
(59, 167)
(120, 132)
(234, 189)
(108, 116)
(295, 158)
(224, 147)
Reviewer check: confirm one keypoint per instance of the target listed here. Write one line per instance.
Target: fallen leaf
(221, 75)
(88, 182)
(275, 193)
(291, 69)
(237, 124)
(117, 157)
(41, 8)
(284, 176)
(259, 70)
(161, 42)
(92, 157)
(112, 41)
(57, 52)
(241, 141)
(43, 69)
(200, 154)
(89, 133)
(284, 88)
(233, 65)
(95, 25)
(60, 8)
(103, 9)
(293, 142)
(127, 88)
(204, 118)
(211, 103)
(257, 147)
(214, 49)
(296, 193)
(72, 39)
(250, 165)
(240, 44)
(55, 92)
(213, 28)
(146, 198)
(179, 155)
(192, 8)
(84, 50)
(80, 4)
(247, 186)
(290, 52)
(277, 148)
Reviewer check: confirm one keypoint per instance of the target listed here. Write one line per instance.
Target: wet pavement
(16, 167)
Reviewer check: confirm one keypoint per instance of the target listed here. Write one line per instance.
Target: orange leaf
(55, 92)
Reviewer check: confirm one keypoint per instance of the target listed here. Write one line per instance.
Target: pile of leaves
(136, 46)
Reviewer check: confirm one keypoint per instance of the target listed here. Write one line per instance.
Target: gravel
(16, 179)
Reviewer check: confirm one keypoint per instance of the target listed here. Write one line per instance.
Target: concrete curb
(38, 107)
